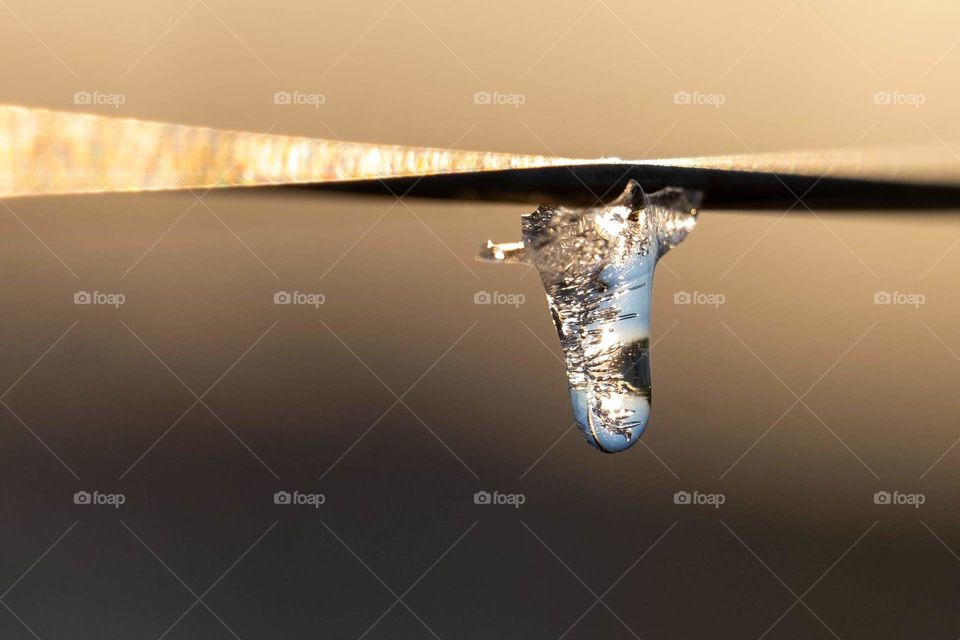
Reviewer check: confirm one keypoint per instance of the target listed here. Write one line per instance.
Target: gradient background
(303, 399)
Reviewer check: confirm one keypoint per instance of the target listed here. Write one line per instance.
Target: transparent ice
(597, 266)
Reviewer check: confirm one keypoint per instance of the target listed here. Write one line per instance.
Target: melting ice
(597, 266)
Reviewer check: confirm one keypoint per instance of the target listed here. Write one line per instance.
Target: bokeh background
(796, 400)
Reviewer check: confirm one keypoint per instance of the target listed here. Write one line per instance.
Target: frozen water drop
(597, 267)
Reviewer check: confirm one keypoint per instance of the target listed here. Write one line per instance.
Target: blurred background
(809, 411)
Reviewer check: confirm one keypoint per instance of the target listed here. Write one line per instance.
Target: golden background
(199, 272)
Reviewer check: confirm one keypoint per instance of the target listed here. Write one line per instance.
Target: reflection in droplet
(597, 266)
